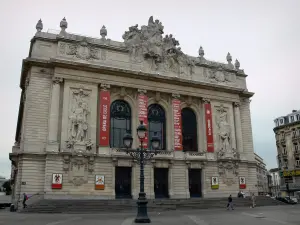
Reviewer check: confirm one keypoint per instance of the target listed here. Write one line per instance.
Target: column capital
(174, 95)
(206, 100)
(142, 91)
(104, 86)
(57, 80)
(236, 104)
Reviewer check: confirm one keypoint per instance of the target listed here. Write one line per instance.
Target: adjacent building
(275, 181)
(262, 176)
(81, 95)
(287, 134)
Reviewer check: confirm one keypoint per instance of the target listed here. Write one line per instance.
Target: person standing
(253, 198)
(230, 203)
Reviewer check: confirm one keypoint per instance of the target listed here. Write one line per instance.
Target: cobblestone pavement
(286, 215)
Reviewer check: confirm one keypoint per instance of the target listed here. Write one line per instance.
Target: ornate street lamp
(141, 155)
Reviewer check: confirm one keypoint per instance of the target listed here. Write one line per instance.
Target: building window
(285, 163)
(292, 118)
(294, 133)
(296, 147)
(284, 152)
(298, 117)
(281, 121)
(157, 123)
(297, 161)
(120, 122)
(189, 130)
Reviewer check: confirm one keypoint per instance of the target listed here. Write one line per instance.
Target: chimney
(294, 110)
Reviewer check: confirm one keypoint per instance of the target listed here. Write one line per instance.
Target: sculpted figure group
(161, 53)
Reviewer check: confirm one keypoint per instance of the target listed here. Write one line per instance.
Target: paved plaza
(287, 215)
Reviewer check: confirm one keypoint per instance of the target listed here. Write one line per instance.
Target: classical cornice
(54, 62)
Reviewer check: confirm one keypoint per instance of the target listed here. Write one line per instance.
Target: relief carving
(224, 134)
(161, 53)
(78, 137)
(78, 167)
(228, 171)
(83, 50)
(217, 75)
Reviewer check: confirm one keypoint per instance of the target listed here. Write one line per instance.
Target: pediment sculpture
(162, 53)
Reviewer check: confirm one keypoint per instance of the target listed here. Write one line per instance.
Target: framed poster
(242, 181)
(57, 179)
(99, 182)
(214, 182)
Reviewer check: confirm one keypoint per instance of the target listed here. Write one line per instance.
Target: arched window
(189, 130)
(157, 123)
(120, 122)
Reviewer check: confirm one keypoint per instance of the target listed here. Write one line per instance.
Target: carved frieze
(228, 171)
(79, 116)
(82, 50)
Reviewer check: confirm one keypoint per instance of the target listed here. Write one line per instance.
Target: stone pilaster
(54, 115)
(170, 180)
(203, 140)
(238, 126)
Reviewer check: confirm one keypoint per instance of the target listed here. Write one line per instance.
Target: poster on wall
(242, 183)
(143, 114)
(209, 128)
(214, 182)
(104, 118)
(177, 125)
(57, 180)
(99, 182)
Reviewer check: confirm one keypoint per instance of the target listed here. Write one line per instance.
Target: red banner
(209, 128)
(177, 124)
(104, 117)
(143, 114)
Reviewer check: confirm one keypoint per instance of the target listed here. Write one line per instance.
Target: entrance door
(161, 187)
(123, 182)
(195, 183)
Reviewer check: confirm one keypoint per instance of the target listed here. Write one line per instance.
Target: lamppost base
(142, 215)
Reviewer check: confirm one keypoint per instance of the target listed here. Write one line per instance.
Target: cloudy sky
(263, 35)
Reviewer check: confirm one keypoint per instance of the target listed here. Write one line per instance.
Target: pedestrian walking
(230, 203)
(25, 198)
(253, 198)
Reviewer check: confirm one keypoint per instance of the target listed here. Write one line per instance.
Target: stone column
(238, 126)
(54, 115)
(187, 182)
(170, 179)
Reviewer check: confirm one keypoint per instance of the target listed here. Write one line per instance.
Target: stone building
(287, 134)
(80, 95)
(262, 178)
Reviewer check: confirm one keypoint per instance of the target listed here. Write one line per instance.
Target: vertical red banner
(143, 114)
(209, 128)
(177, 125)
(104, 118)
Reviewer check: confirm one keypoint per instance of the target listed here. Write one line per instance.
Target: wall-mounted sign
(99, 182)
(209, 127)
(290, 173)
(214, 182)
(242, 182)
(57, 179)
(104, 117)
(177, 124)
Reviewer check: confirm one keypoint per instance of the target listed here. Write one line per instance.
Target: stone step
(94, 206)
